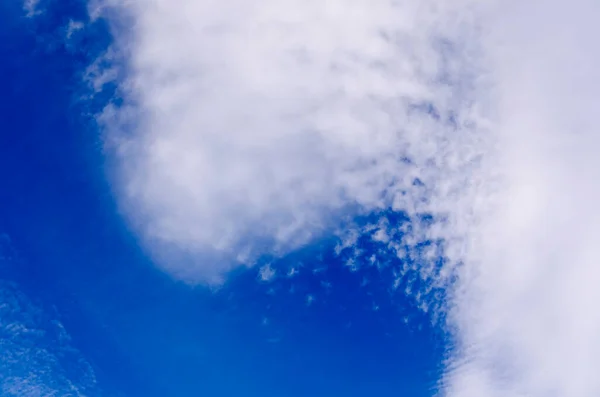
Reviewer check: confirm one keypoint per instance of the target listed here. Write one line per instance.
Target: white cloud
(258, 124)
(31, 7)
(253, 127)
(72, 28)
(266, 273)
(526, 307)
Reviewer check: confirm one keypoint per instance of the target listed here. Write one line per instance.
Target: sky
(299, 198)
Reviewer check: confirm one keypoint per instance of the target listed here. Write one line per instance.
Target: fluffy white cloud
(526, 311)
(253, 127)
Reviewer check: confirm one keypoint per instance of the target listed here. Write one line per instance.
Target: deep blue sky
(143, 333)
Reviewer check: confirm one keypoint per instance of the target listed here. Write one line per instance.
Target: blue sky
(293, 198)
(67, 253)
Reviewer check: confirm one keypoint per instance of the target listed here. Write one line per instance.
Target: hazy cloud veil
(252, 127)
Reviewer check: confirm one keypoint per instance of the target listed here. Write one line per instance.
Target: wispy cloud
(35, 351)
(254, 127)
(31, 7)
(37, 357)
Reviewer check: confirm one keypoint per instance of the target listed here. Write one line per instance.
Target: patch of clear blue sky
(143, 333)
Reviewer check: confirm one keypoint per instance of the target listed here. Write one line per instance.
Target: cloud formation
(36, 357)
(526, 308)
(36, 354)
(251, 128)
(31, 7)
